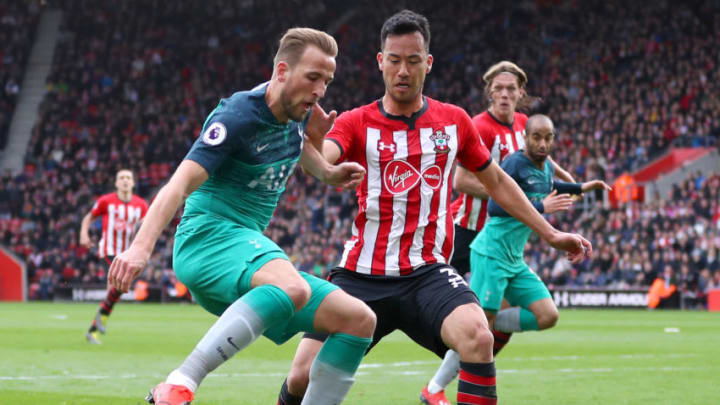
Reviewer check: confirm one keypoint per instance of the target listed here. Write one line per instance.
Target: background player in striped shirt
(402, 236)
(502, 129)
(233, 177)
(121, 211)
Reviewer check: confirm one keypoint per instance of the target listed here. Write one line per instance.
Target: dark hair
(405, 22)
(125, 169)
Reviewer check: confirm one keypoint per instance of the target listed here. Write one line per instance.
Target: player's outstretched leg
(434, 391)
(540, 315)
(278, 291)
(323, 372)
(100, 320)
(466, 331)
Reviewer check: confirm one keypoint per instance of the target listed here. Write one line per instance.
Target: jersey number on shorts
(453, 278)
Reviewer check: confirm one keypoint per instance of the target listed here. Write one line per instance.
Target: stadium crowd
(18, 23)
(635, 243)
(132, 82)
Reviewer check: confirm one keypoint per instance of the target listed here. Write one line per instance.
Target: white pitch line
(399, 364)
(367, 366)
(361, 373)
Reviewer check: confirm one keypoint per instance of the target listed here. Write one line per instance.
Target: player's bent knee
(343, 313)
(366, 321)
(548, 319)
(299, 292)
(475, 339)
(360, 321)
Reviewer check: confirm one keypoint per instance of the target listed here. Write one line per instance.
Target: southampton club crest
(441, 140)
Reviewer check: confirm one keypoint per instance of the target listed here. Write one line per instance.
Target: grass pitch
(591, 357)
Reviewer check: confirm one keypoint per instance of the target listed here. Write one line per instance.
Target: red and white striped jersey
(503, 140)
(118, 222)
(402, 221)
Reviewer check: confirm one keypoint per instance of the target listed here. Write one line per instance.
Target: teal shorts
(492, 280)
(216, 260)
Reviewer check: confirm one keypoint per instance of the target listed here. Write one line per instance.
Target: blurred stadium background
(88, 87)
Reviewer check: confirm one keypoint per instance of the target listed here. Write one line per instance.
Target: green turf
(591, 357)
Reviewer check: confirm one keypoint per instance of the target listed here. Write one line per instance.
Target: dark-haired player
(121, 211)
(402, 237)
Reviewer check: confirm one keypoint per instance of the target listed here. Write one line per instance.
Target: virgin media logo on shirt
(400, 176)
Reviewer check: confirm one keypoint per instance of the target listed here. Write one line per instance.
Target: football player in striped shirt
(402, 237)
(121, 211)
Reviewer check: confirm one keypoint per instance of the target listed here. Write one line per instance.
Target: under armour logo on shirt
(382, 146)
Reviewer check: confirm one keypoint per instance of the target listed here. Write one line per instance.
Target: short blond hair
(295, 40)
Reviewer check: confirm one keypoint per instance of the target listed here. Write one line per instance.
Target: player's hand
(126, 267)
(578, 248)
(85, 240)
(319, 123)
(555, 202)
(595, 185)
(347, 175)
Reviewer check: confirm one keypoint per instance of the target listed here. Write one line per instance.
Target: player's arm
(466, 182)
(346, 174)
(129, 264)
(85, 229)
(331, 151)
(561, 173)
(579, 188)
(503, 189)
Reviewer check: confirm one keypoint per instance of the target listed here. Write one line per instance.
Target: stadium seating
(621, 87)
(18, 23)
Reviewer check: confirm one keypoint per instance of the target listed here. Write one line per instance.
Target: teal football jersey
(503, 237)
(249, 156)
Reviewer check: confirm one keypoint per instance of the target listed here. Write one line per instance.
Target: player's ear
(429, 64)
(283, 70)
(379, 60)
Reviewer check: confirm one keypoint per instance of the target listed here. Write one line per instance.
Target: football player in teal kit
(498, 268)
(232, 178)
